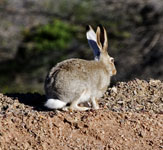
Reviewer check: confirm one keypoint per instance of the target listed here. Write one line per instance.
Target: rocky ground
(130, 118)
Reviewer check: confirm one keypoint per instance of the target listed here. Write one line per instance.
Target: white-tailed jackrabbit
(74, 81)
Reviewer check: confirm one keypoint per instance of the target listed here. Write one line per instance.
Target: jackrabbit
(75, 81)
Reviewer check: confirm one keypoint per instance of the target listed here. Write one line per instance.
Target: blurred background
(36, 34)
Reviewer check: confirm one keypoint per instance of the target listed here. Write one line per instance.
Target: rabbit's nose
(114, 72)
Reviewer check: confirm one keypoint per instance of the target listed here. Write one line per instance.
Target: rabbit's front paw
(95, 104)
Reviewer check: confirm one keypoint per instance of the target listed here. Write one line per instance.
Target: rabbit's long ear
(91, 37)
(102, 40)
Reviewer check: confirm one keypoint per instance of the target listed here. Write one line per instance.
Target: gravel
(131, 117)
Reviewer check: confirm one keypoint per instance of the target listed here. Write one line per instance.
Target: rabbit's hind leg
(54, 104)
(84, 97)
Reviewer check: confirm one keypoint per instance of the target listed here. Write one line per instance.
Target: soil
(130, 118)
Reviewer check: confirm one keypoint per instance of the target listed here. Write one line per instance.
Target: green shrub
(55, 35)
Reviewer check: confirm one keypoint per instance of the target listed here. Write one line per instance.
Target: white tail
(54, 104)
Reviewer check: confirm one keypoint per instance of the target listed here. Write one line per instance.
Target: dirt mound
(136, 96)
(130, 118)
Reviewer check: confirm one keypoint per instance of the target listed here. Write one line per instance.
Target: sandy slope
(119, 124)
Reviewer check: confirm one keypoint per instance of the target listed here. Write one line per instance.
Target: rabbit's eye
(112, 60)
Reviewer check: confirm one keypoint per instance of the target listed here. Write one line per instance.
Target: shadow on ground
(34, 100)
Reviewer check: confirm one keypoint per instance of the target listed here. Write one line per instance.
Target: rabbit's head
(102, 42)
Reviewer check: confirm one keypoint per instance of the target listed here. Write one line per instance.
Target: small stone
(114, 89)
(120, 102)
